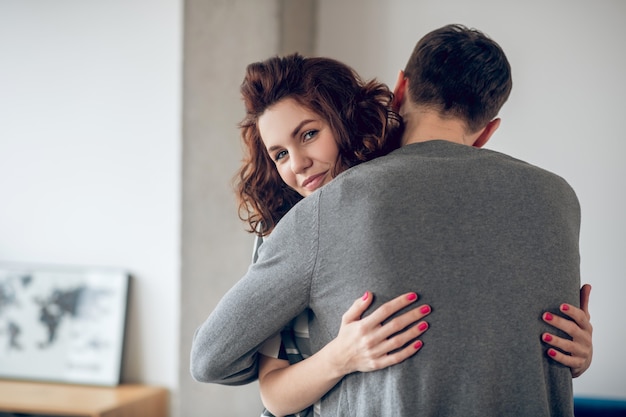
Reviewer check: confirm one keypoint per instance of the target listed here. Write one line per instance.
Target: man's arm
(225, 346)
(273, 291)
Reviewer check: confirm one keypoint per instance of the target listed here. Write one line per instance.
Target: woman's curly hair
(358, 113)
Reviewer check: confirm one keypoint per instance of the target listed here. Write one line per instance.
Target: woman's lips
(314, 182)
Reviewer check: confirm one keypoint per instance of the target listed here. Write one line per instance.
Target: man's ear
(399, 91)
(486, 133)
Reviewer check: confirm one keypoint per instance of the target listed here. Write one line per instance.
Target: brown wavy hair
(359, 114)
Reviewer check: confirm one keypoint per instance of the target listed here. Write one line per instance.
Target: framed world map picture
(62, 324)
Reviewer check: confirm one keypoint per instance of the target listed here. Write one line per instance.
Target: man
(485, 239)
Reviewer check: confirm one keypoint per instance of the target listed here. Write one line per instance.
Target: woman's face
(300, 143)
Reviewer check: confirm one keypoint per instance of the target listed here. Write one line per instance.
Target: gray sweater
(490, 242)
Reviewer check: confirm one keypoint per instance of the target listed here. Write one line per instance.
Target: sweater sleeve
(274, 290)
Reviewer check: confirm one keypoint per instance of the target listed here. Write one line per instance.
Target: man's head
(459, 73)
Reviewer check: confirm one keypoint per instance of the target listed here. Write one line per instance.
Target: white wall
(90, 151)
(92, 170)
(565, 114)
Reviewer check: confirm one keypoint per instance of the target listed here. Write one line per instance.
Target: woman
(309, 119)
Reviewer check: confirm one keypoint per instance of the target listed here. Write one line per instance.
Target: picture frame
(62, 324)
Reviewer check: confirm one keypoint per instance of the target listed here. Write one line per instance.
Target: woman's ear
(485, 135)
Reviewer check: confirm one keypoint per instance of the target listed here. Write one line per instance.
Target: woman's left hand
(578, 352)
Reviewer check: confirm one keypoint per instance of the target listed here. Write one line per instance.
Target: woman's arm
(578, 352)
(362, 345)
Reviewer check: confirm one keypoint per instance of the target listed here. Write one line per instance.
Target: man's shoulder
(521, 164)
(301, 219)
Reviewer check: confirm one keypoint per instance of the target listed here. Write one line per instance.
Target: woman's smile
(301, 144)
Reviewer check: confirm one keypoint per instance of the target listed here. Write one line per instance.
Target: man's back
(488, 241)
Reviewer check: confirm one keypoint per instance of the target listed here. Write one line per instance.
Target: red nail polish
(552, 352)
(418, 344)
(412, 296)
(422, 326)
(564, 307)
(425, 309)
(548, 316)
(547, 338)
(365, 296)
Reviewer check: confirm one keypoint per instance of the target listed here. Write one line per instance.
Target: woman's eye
(280, 155)
(308, 135)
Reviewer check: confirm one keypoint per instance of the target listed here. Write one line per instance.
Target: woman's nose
(299, 162)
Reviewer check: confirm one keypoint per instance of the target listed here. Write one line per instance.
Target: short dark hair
(459, 72)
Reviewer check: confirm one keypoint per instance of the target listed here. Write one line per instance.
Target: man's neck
(423, 126)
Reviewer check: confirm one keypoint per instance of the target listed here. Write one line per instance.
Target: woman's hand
(363, 344)
(578, 352)
(375, 342)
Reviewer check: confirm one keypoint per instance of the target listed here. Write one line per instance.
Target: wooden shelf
(85, 401)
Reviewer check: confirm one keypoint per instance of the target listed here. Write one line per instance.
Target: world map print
(62, 325)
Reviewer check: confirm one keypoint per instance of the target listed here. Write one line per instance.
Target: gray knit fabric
(488, 241)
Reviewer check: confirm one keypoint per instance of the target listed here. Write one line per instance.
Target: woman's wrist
(334, 357)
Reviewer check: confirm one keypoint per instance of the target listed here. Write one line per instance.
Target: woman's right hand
(375, 342)
(362, 344)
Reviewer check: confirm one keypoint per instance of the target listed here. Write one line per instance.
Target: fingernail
(547, 338)
(552, 352)
(425, 309)
(411, 297)
(365, 296)
(548, 316)
(418, 344)
(422, 326)
(564, 307)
